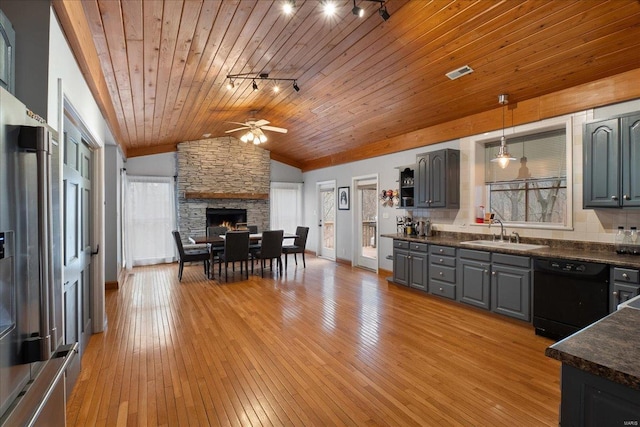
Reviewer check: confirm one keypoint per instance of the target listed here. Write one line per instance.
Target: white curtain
(151, 216)
(286, 206)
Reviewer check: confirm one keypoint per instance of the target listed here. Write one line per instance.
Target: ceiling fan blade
(236, 130)
(274, 129)
(261, 123)
(238, 123)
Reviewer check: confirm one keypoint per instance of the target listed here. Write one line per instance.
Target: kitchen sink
(504, 245)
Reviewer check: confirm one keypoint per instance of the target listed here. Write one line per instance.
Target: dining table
(253, 237)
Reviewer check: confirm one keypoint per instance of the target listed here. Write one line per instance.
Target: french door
(366, 222)
(327, 220)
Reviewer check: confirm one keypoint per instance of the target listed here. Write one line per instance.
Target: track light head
(230, 85)
(383, 13)
(358, 11)
(295, 86)
(254, 85)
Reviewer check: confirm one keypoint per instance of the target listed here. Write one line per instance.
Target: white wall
(281, 172)
(153, 165)
(588, 224)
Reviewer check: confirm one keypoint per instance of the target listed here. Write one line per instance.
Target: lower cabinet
(410, 264)
(474, 277)
(625, 284)
(589, 400)
(442, 271)
(511, 285)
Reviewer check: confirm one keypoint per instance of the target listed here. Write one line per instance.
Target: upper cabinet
(437, 183)
(407, 180)
(611, 148)
(7, 54)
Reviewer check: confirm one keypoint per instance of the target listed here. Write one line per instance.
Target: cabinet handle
(486, 272)
(441, 290)
(626, 197)
(409, 257)
(493, 273)
(441, 260)
(614, 197)
(615, 293)
(441, 250)
(625, 276)
(441, 273)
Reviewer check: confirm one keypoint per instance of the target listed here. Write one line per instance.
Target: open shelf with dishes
(406, 183)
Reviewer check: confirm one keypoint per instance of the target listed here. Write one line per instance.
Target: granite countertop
(609, 348)
(569, 250)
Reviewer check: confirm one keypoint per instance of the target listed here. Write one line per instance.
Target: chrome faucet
(497, 221)
(516, 236)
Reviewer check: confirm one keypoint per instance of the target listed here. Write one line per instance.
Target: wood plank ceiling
(362, 80)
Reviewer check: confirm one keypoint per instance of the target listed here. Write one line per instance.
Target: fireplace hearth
(225, 217)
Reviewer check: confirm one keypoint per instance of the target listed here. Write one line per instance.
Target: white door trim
(355, 226)
(320, 185)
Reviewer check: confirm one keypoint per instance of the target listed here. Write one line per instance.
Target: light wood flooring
(326, 345)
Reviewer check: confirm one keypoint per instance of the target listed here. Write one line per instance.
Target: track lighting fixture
(254, 77)
(383, 12)
(329, 7)
(358, 11)
(288, 6)
(503, 157)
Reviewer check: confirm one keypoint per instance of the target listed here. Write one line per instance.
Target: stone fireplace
(221, 173)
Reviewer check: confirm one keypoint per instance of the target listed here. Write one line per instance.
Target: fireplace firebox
(226, 217)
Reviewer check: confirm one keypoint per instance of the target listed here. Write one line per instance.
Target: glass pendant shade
(503, 157)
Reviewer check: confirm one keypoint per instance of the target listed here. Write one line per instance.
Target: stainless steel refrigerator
(33, 357)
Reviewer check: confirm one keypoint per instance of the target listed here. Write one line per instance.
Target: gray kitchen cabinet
(442, 271)
(474, 277)
(590, 400)
(625, 284)
(437, 179)
(611, 151)
(410, 264)
(511, 285)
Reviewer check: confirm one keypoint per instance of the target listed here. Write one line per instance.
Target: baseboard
(113, 285)
(385, 273)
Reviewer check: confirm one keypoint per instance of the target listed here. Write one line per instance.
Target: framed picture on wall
(343, 198)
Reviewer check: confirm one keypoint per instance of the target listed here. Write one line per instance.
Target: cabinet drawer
(442, 260)
(625, 275)
(513, 260)
(443, 289)
(475, 255)
(418, 247)
(400, 244)
(442, 250)
(443, 273)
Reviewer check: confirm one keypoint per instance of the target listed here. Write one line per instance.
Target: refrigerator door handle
(36, 138)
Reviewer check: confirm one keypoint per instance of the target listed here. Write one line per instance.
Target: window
(533, 188)
(286, 206)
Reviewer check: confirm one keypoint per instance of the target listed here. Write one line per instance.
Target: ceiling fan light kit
(255, 130)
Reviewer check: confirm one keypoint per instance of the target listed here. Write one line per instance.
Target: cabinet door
(474, 283)
(601, 165)
(630, 128)
(419, 267)
(621, 293)
(438, 179)
(510, 291)
(422, 181)
(401, 267)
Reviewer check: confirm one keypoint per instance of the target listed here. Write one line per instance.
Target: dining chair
(216, 248)
(253, 229)
(236, 248)
(216, 230)
(298, 247)
(271, 248)
(192, 255)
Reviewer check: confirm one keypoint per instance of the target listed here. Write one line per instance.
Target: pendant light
(503, 157)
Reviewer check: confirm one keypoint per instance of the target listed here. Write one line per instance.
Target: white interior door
(366, 222)
(327, 220)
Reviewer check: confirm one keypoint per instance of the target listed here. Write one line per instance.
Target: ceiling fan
(255, 132)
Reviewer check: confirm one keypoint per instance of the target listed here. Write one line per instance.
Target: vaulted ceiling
(158, 68)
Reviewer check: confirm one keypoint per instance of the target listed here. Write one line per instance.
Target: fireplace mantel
(209, 195)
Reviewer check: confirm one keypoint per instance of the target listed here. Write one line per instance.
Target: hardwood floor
(325, 345)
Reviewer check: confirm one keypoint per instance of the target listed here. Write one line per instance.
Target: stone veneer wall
(221, 165)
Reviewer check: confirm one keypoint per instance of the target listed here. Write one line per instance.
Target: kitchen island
(601, 372)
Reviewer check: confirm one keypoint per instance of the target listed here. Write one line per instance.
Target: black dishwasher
(568, 295)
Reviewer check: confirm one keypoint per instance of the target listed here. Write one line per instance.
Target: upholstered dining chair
(192, 255)
(298, 247)
(236, 248)
(216, 230)
(270, 249)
